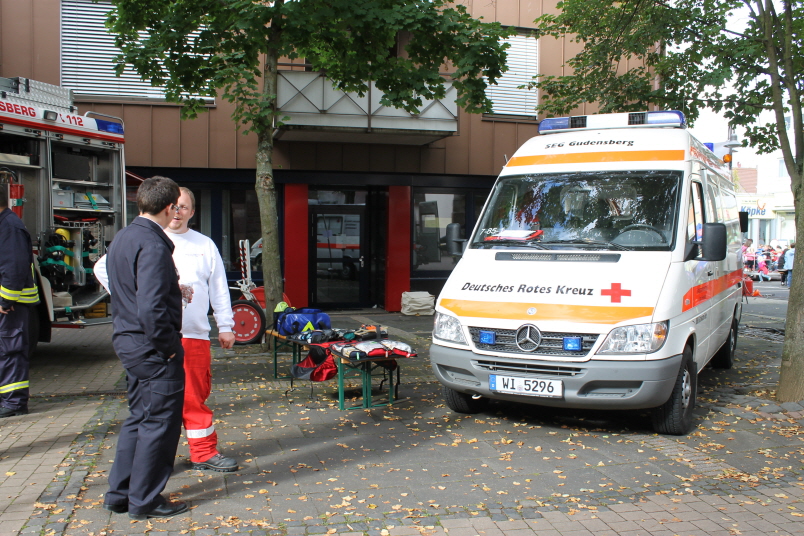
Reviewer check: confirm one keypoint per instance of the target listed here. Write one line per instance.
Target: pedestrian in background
(201, 267)
(747, 252)
(762, 265)
(146, 317)
(780, 266)
(18, 291)
(789, 256)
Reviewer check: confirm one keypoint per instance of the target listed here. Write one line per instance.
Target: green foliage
(207, 47)
(684, 55)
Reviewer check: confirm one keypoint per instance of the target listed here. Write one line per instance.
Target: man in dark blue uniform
(17, 292)
(146, 314)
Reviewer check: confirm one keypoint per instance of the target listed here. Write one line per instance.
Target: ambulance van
(604, 273)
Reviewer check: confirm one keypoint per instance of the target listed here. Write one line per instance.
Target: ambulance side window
(712, 201)
(695, 220)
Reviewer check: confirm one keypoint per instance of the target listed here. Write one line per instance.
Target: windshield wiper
(512, 242)
(584, 242)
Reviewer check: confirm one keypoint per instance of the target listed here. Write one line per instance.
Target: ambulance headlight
(447, 328)
(639, 339)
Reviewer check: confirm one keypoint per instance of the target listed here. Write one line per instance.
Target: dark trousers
(149, 438)
(14, 358)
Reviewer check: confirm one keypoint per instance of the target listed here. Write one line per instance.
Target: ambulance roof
(634, 147)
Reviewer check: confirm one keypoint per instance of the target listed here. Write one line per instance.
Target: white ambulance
(604, 273)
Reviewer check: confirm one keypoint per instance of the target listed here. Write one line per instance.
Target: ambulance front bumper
(592, 384)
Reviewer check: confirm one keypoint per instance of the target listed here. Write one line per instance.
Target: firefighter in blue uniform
(146, 312)
(18, 292)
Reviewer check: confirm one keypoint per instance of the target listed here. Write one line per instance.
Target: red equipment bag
(748, 286)
(318, 366)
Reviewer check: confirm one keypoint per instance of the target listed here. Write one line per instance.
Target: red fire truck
(64, 174)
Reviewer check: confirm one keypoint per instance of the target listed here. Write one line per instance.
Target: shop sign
(760, 208)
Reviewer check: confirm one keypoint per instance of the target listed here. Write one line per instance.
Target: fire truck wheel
(249, 322)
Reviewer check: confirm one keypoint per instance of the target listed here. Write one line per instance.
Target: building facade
(365, 193)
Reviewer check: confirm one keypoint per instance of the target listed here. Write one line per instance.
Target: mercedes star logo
(528, 338)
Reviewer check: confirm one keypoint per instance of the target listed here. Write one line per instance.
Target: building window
(782, 168)
(523, 65)
(88, 52)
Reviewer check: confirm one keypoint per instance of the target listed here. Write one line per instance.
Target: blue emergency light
(109, 126)
(671, 118)
(573, 344)
(488, 337)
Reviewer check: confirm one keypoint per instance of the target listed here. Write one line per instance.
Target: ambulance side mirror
(455, 244)
(713, 242)
(743, 221)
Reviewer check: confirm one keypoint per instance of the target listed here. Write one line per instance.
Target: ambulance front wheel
(674, 417)
(463, 403)
(249, 322)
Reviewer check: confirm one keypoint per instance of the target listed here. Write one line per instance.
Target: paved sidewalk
(415, 468)
(68, 380)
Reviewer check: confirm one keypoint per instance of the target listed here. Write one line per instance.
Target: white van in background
(603, 273)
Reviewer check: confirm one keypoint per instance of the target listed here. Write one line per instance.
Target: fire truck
(64, 175)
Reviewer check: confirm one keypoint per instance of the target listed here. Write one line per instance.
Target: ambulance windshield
(601, 210)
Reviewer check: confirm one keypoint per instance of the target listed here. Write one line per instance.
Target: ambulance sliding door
(702, 273)
(722, 310)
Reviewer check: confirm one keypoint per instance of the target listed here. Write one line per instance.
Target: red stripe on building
(397, 257)
(296, 228)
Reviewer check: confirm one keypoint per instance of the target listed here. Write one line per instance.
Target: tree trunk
(266, 195)
(791, 381)
(778, 45)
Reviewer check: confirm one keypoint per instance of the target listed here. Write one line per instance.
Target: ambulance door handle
(710, 273)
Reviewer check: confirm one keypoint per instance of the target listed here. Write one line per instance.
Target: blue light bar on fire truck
(109, 126)
(672, 118)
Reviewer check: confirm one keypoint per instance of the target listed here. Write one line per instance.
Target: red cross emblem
(616, 292)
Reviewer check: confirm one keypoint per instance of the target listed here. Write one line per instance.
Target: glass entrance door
(339, 259)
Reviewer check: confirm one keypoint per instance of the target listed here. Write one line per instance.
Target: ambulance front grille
(552, 343)
(529, 368)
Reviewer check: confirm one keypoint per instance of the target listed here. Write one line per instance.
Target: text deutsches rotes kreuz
(529, 289)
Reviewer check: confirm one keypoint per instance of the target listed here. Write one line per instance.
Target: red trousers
(196, 415)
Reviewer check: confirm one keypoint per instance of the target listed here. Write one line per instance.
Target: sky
(711, 127)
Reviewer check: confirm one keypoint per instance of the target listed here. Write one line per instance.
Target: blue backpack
(292, 320)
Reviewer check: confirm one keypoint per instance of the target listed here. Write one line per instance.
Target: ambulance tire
(674, 417)
(348, 271)
(724, 358)
(249, 321)
(464, 403)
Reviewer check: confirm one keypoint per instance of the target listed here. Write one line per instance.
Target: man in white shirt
(201, 268)
(200, 265)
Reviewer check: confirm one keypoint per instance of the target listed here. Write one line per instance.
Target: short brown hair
(185, 190)
(155, 194)
(6, 178)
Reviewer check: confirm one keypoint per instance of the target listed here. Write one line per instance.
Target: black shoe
(168, 509)
(116, 508)
(217, 463)
(8, 412)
